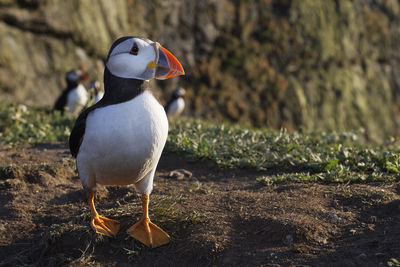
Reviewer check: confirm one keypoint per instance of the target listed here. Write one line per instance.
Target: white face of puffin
(143, 59)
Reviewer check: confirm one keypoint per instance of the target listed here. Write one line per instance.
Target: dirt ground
(215, 217)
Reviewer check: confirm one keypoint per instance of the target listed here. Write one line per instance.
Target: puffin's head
(140, 58)
(180, 92)
(75, 77)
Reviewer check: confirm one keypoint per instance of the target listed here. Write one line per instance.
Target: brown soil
(215, 217)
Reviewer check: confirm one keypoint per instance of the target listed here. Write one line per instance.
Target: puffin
(119, 140)
(176, 104)
(75, 96)
(97, 93)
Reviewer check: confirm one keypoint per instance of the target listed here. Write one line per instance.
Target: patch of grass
(393, 263)
(33, 124)
(164, 211)
(296, 156)
(247, 147)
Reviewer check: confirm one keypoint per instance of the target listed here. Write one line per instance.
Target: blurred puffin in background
(75, 96)
(176, 104)
(95, 92)
(119, 140)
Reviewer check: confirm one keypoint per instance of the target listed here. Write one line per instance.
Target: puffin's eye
(134, 49)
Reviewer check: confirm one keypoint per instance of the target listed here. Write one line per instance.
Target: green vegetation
(393, 262)
(295, 156)
(18, 123)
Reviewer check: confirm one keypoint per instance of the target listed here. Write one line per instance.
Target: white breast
(176, 107)
(123, 142)
(77, 99)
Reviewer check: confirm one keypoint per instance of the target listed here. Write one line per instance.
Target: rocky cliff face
(294, 63)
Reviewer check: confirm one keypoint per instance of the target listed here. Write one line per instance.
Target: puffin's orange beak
(167, 65)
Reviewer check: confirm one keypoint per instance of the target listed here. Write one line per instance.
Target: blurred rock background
(315, 64)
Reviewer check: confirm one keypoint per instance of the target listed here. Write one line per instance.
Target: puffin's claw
(105, 226)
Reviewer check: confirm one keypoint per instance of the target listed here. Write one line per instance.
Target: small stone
(337, 218)
(362, 256)
(273, 255)
(179, 174)
(323, 241)
(202, 191)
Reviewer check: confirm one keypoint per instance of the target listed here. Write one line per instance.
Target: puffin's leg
(147, 232)
(100, 224)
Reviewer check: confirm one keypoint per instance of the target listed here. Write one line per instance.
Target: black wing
(61, 101)
(77, 133)
(168, 104)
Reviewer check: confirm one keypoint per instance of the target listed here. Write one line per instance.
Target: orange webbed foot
(148, 233)
(105, 226)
